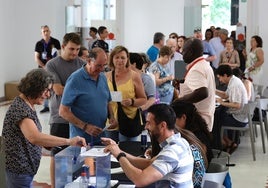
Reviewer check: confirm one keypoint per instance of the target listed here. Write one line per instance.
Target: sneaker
(46, 109)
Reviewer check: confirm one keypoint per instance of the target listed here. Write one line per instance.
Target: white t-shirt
(237, 93)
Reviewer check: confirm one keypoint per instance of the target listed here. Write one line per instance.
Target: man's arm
(229, 104)
(221, 94)
(58, 89)
(37, 60)
(66, 113)
(196, 96)
(138, 170)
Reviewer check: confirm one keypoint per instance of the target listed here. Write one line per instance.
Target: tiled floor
(246, 172)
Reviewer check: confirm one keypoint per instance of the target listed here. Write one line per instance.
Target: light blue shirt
(175, 163)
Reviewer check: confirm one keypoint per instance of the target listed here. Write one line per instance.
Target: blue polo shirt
(152, 53)
(88, 100)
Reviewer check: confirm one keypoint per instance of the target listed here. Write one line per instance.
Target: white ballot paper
(94, 152)
(116, 96)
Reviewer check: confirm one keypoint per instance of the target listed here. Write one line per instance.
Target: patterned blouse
(165, 88)
(22, 157)
(199, 166)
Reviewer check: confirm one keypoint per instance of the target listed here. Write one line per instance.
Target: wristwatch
(122, 154)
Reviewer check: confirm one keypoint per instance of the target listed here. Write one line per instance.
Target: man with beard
(199, 81)
(172, 167)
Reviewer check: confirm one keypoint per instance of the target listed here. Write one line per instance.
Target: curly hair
(35, 82)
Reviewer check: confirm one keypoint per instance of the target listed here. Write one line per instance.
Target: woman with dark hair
(187, 117)
(208, 35)
(163, 76)
(23, 139)
(181, 40)
(255, 60)
(229, 56)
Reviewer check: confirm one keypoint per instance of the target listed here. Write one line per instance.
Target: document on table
(94, 152)
(126, 186)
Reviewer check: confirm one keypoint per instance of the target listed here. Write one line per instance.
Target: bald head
(193, 48)
(172, 43)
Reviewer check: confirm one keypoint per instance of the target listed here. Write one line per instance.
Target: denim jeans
(14, 180)
(46, 103)
(123, 138)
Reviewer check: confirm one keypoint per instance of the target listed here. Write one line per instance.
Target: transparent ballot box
(69, 165)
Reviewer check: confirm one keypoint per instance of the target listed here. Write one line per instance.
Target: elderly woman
(23, 139)
(163, 77)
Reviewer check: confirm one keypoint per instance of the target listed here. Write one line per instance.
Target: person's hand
(93, 130)
(219, 100)
(113, 123)
(78, 141)
(251, 68)
(113, 149)
(107, 141)
(126, 102)
(148, 153)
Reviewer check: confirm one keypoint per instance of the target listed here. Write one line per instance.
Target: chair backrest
(265, 92)
(214, 177)
(250, 107)
(212, 184)
(220, 157)
(216, 168)
(216, 172)
(263, 103)
(258, 89)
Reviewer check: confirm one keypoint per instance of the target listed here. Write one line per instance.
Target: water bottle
(144, 140)
(83, 183)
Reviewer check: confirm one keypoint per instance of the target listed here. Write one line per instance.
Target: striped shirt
(175, 163)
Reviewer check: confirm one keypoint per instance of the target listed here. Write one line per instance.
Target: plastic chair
(250, 111)
(220, 157)
(259, 89)
(216, 172)
(212, 184)
(262, 105)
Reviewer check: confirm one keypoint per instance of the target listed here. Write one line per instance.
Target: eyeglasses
(47, 90)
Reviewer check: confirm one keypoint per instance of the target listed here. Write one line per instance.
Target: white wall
(256, 15)
(139, 19)
(20, 30)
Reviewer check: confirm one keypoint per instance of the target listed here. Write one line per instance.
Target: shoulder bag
(127, 126)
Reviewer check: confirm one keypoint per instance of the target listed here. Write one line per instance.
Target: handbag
(127, 126)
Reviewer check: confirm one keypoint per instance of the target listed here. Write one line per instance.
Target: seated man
(172, 167)
(232, 101)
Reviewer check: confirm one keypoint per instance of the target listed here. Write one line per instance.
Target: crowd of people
(85, 89)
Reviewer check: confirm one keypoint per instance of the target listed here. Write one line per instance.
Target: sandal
(231, 148)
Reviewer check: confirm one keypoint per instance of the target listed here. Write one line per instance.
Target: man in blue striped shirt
(172, 167)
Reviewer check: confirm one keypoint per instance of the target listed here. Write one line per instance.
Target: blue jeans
(14, 180)
(113, 135)
(123, 138)
(46, 103)
(118, 137)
